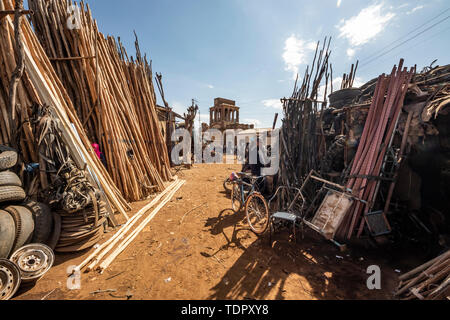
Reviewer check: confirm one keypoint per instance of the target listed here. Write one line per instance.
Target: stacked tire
(21, 222)
(10, 191)
(343, 98)
(25, 228)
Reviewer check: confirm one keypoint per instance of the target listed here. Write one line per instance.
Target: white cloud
(273, 103)
(351, 52)
(339, 2)
(415, 9)
(365, 26)
(210, 86)
(295, 53)
(178, 107)
(311, 45)
(256, 122)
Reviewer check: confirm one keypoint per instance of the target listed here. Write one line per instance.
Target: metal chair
(291, 212)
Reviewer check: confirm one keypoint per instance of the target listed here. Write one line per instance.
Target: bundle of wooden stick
(113, 95)
(40, 85)
(430, 281)
(302, 139)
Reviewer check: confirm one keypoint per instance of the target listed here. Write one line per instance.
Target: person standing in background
(99, 154)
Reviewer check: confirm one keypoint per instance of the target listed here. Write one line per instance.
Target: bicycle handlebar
(254, 179)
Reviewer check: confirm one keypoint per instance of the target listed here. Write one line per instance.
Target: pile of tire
(342, 98)
(24, 228)
(21, 222)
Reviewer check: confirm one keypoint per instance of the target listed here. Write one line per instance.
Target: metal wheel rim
(256, 209)
(34, 261)
(9, 279)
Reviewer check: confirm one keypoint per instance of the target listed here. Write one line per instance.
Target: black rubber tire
(11, 193)
(56, 232)
(236, 203)
(8, 159)
(339, 104)
(227, 185)
(345, 94)
(24, 222)
(43, 221)
(8, 178)
(7, 234)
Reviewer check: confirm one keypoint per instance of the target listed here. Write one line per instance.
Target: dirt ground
(213, 255)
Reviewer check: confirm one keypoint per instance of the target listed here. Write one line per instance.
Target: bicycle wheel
(227, 185)
(257, 213)
(236, 203)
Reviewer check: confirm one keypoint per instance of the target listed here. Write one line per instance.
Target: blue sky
(250, 50)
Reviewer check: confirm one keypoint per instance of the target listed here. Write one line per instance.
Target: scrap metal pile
(370, 158)
(387, 144)
(303, 142)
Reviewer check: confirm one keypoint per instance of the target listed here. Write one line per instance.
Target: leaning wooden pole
(17, 74)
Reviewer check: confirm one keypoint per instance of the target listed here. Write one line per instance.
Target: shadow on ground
(311, 269)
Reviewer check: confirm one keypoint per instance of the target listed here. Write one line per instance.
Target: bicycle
(246, 194)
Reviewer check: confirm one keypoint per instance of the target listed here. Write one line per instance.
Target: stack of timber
(40, 85)
(114, 246)
(430, 281)
(113, 96)
(303, 142)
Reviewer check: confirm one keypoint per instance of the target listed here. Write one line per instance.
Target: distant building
(225, 115)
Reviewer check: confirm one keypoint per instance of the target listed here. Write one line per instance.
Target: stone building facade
(225, 115)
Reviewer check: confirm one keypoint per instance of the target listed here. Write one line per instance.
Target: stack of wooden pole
(40, 84)
(377, 137)
(302, 136)
(113, 96)
(113, 247)
(431, 281)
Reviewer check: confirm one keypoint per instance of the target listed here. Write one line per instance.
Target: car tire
(8, 158)
(7, 234)
(11, 193)
(8, 178)
(43, 221)
(23, 219)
